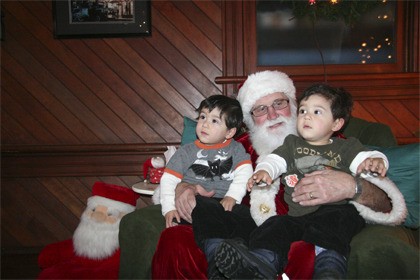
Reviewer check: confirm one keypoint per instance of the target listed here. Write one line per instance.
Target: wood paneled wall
(76, 111)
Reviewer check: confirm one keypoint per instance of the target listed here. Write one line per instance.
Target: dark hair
(341, 100)
(229, 108)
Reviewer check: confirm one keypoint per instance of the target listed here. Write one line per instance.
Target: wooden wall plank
(203, 22)
(383, 115)
(26, 121)
(178, 39)
(195, 35)
(34, 107)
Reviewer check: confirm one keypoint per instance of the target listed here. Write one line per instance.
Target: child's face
(212, 129)
(315, 122)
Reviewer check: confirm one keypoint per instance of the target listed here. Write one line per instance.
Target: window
(272, 41)
(336, 35)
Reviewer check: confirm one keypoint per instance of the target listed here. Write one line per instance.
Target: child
(215, 161)
(322, 111)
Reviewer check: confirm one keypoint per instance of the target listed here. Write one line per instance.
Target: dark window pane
(283, 39)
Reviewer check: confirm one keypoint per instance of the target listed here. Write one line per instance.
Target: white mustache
(279, 119)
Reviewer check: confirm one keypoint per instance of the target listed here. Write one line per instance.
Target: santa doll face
(96, 237)
(104, 214)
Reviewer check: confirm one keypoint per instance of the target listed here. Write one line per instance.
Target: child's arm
(374, 165)
(269, 167)
(228, 203)
(261, 176)
(237, 188)
(363, 161)
(168, 183)
(170, 216)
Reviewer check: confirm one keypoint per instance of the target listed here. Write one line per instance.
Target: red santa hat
(261, 84)
(122, 198)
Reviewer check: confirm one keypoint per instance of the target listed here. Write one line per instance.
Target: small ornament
(153, 170)
(264, 209)
(312, 2)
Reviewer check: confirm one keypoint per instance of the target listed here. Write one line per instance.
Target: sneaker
(234, 260)
(213, 272)
(330, 265)
(210, 246)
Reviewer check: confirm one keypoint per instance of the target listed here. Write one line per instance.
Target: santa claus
(93, 253)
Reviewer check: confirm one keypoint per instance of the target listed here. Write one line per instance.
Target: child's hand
(228, 203)
(374, 165)
(260, 176)
(169, 218)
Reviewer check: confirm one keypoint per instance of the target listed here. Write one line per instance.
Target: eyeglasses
(262, 110)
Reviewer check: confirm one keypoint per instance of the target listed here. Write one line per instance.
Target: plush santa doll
(153, 169)
(93, 252)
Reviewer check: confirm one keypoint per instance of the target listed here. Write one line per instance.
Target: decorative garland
(332, 10)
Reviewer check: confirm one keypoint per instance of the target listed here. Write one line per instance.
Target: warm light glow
(360, 50)
(385, 16)
(312, 2)
(334, 2)
(379, 46)
(389, 56)
(364, 44)
(363, 61)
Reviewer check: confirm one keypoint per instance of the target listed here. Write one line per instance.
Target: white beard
(95, 240)
(265, 140)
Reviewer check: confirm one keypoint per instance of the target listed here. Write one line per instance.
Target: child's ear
(230, 133)
(338, 124)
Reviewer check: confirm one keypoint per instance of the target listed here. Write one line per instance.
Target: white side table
(144, 188)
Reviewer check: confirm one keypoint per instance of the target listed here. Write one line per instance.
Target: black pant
(330, 227)
(210, 220)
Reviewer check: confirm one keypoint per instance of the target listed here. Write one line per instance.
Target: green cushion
(370, 133)
(404, 172)
(384, 252)
(188, 134)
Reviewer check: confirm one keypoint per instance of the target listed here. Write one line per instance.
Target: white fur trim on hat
(99, 200)
(260, 84)
(399, 209)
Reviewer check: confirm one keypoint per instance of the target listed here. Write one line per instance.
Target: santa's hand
(171, 217)
(185, 198)
(324, 186)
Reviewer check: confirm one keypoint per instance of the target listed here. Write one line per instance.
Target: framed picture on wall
(101, 18)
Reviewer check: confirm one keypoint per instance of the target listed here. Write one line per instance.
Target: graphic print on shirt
(220, 166)
(308, 164)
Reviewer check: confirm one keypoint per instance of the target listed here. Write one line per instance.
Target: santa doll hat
(261, 84)
(122, 198)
